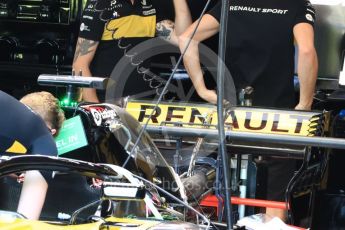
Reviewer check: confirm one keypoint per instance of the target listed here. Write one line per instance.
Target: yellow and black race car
(83, 195)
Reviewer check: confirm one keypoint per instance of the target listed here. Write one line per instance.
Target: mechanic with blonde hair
(28, 127)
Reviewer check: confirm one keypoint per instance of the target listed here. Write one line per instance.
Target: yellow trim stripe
(20, 224)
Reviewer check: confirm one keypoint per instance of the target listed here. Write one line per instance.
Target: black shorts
(279, 173)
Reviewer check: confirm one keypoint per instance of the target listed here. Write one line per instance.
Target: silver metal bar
(77, 81)
(278, 151)
(327, 142)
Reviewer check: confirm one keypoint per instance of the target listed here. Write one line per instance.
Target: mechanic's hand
(96, 183)
(19, 178)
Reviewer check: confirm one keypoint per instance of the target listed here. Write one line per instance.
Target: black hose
(220, 110)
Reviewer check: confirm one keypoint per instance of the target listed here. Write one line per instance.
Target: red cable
(213, 202)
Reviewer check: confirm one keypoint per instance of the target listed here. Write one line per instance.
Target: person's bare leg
(208, 95)
(33, 195)
(274, 212)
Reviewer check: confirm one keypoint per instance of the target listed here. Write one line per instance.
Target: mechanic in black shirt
(28, 127)
(109, 28)
(260, 53)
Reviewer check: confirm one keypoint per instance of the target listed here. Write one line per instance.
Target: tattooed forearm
(84, 47)
(164, 29)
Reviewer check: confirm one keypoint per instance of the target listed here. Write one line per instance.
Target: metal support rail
(326, 142)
